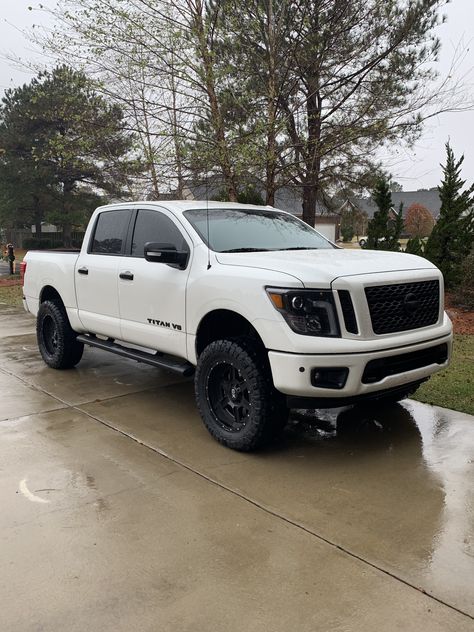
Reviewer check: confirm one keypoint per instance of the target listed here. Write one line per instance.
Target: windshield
(252, 230)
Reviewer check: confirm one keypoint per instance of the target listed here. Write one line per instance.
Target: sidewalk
(5, 269)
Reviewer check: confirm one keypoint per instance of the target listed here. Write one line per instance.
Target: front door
(96, 273)
(152, 295)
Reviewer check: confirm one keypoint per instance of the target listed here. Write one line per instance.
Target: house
(46, 228)
(430, 199)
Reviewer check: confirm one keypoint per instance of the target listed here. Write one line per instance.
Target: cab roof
(179, 206)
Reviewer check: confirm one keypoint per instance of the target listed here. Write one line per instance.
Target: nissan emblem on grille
(403, 306)
(411, 303)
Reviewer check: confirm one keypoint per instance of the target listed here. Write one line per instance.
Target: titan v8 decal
(163, 323)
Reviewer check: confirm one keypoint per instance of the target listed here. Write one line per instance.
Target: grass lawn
(11, 295)
(454, 387)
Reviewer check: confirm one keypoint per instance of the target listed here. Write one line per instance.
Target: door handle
(83, 270)
(127, 276)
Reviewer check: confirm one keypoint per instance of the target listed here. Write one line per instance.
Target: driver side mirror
(165, 253)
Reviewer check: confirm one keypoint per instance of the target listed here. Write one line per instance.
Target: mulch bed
(9, 282)
(463, 318)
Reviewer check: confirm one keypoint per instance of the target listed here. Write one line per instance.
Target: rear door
(152, 295)
(96, 273)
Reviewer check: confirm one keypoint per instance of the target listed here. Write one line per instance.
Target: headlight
(307, 312)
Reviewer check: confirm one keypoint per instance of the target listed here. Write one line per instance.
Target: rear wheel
(57, 342)
(235, 395)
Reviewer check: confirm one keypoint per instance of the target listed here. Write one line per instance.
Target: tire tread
(69, 349)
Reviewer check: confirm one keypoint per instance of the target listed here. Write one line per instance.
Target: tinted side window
(154, 226)
(110, 232)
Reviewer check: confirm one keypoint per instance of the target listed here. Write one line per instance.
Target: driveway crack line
(275, 514)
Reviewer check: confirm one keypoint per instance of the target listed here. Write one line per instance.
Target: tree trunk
(150, 154)
(310, 195)
(38, 226)
(38, 215)
(67, 234)
(313, 161)
(271, 157)
(67, 225)
(175, 133)
(215, 111)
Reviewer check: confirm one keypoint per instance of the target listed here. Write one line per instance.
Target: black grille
(376, 370)
(403, 306)
(348, 311)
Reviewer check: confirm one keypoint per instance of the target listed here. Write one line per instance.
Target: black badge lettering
(164, 323)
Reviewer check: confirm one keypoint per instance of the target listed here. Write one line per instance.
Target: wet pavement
(119, 512)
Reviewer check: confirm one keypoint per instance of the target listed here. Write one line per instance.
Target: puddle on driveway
(441, 444)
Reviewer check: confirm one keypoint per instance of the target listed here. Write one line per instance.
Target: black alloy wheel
(50, 335)
(228, 396)
(235, 395)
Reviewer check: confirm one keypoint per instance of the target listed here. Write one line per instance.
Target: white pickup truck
(264, 311)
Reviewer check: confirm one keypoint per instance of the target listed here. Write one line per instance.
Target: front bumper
(292, 372)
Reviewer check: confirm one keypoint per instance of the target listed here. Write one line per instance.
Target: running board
(182, 367)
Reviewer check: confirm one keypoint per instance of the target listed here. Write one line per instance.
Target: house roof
(429, 199)
(287, 199)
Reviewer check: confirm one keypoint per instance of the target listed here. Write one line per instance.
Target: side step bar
(182, 367)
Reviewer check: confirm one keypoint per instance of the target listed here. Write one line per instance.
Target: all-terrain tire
(57, 342)
(235, 395)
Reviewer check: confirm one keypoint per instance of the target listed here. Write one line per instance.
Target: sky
(414, 168)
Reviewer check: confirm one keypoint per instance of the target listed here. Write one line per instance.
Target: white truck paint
(163, 307)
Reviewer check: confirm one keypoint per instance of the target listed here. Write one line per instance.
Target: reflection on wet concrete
(356, 476)
(448, 451)
(444, 441)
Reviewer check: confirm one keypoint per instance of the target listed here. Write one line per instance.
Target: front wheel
(57, 342)
(235, 395)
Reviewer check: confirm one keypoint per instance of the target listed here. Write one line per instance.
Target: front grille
(376, 370)
(403, 306)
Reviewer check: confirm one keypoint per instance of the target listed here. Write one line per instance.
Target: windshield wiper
(299, 248)
(247, 250)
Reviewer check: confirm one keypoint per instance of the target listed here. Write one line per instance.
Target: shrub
(464, 294)
(37, 243)
(415, 246)
(347, 233)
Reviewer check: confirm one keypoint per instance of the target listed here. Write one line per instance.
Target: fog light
(329, 378)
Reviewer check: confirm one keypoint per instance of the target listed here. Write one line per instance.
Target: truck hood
(321, 267)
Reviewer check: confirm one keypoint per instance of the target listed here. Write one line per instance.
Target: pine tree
(452, 237)
(65, 144)
(378, 225)
(394, 231)
(384, 232)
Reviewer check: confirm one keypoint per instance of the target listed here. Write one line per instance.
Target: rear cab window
(110, 232)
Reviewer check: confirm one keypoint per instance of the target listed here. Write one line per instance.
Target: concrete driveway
(120, 513)
(4, 267)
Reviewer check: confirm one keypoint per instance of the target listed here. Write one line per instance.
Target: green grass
(11, 295)
(454, 387)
